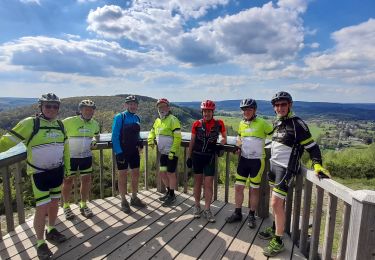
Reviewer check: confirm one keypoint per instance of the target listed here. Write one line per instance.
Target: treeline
(107, 107)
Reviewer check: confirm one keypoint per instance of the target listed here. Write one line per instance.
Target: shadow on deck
(153, 232)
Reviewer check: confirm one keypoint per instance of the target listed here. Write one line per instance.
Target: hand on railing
(321, 172)
(220, 150)
(189, 163)
(93, 145)
(151, 144)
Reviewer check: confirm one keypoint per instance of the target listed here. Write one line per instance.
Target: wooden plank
(174, 237)
(124, 245)
(115, 224)
(297, 208)
(297, 254)
(241, 243)
(305, 216)
(23, 243)
(344, 233)
(340, 191)
(257, 245)
(288, 252)
(224, 237)
(8, 199)
(330, 227)
(19, 194)
(314, 244)
(209, 236)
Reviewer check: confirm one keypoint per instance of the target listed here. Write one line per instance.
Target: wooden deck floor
(154, 232)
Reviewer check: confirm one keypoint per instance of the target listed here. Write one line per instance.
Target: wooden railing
(358, 224)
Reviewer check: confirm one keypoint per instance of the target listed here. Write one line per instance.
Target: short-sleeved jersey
(48, 148)
(80, 134)
(252, 135)
(167, 132)
(207, 134)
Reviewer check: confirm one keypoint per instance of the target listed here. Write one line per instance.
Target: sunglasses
(47, 106)
(281, 105)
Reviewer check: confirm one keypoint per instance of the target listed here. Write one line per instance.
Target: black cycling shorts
(250, 170)
(279, 178)
(203, 164)
(131, 161)
(83, 165)
(167, 165)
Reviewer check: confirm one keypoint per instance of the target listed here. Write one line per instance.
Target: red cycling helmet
(208, 104)
(162, 100)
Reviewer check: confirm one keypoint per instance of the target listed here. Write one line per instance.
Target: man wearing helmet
(48, 157)
(252, 133)
(167, 133)
(126, 144)
(290, 138)
(80, 130)
(201, 156)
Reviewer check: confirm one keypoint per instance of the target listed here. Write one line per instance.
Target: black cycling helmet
(87, 103)
(49, 97)
(248, 102)
(282, 95)
(131, 98)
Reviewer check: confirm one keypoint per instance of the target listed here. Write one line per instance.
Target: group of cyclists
(59, 151)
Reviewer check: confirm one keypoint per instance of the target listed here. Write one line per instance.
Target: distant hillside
(12, 102)
(307, 110)
(107, 107)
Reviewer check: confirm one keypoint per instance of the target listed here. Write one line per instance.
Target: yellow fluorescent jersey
(252, 135)
(80, 133)
(167, 132)
(48, 149)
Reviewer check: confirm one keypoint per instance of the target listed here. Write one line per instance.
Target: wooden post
(227, 174)
(159, 183)
(288, 206)
(185, 171)
(316, 224)
(264, 190)
(361, 238)
(344, 234)
(216, 176)
(330, 227)
(8, 199)
(19, 195)
(305, 217)
(297, 207)
(146, 166)
(101, 183)
(114, 193)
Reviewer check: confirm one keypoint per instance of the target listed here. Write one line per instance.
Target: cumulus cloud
(88, 57)
(353, 57)
(271, 30)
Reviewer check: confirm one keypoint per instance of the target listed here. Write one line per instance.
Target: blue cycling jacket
(125, 135)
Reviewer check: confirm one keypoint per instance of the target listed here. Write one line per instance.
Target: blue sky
(318, 50)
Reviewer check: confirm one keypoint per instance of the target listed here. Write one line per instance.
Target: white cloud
(266, 32)
(353, 57)
(30, 2)
(88, 57)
